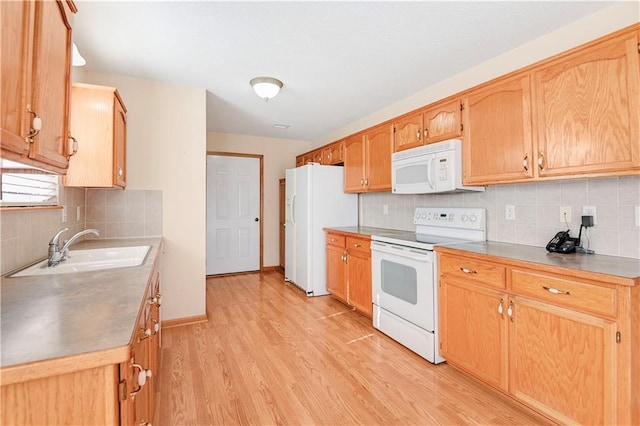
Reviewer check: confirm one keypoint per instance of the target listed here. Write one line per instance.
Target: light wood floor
(270, 355)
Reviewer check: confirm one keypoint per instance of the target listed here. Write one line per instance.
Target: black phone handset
(562, 243)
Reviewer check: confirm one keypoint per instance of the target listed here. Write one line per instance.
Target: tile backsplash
(124, 214)
(24, 235)
(537, 207)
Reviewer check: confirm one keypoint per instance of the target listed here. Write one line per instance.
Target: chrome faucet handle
(54, 240)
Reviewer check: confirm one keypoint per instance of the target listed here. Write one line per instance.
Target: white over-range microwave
(429, 169)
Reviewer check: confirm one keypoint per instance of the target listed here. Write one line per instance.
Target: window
(27, 186)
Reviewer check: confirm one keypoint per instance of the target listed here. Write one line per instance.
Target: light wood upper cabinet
(407, 132)
(367, 161)
(354, 164)
(378, 150)
(587, 109)
(36, 68)
(99, 124)
(334, 153)
(442, 121)
(497, 143)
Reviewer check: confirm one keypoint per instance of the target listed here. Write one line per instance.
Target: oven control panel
(450, 217)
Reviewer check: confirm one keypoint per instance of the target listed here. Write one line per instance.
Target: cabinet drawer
(335, 240)
(568, 293)
(358, 245)
(473, 270)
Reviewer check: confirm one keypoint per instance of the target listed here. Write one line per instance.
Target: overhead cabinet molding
(36, 68)
(99, 124)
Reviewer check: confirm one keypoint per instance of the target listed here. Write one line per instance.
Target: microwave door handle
(429, 172)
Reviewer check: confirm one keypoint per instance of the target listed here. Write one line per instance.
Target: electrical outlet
(385, 209)
(78, 213)
(565, 214)
(510, 212)
(590, 211)
(64, 215)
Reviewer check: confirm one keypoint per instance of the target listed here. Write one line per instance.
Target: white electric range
(404, 274)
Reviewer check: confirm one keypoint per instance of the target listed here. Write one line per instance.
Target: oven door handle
(406, 252)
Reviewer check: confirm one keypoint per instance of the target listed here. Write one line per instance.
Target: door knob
(256, 219)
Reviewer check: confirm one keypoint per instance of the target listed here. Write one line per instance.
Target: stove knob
(464, 217)
(473, 218)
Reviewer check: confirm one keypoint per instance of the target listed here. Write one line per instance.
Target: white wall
(166, 150)
(279, 154)
(591, 27)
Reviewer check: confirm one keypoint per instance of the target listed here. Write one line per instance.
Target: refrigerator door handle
(293, 209)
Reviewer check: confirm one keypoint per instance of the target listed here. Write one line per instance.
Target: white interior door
(233, 214)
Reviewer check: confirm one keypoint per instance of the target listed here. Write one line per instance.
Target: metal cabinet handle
(525, 162)
(366, 182)
(555, 290)
(541, 161)
(36, 126)
(468, 271)
(510, 310)
(426, 132)
(144, 334)
(156, 326)
(501, 308)
(142, 378)
(73, 147)
(357, 245)
(418, 135)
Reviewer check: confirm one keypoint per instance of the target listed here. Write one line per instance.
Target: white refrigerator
(314, 200)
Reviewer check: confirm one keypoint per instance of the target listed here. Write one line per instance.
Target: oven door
(403, 282)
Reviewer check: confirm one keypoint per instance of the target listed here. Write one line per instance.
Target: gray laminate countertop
(51, 316)
(365, 230)
(592, 263)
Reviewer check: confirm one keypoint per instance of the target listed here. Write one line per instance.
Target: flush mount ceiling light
(266, 87)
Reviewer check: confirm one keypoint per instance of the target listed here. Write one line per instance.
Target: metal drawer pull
(357, 245)
(501, 308)
(142, 378)
(555, 290)
(468, 271)
(510, 310)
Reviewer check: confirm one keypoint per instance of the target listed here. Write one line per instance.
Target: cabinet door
(51, 72)
(16, 22)
(587, 112)
(359, 281)
(443, 121)
(354, 157)
(333, 154)
(473, 332)
(336, 272)
(563, 363)
(497, 144)
(378, 158)
(119, 144)
(407, 132)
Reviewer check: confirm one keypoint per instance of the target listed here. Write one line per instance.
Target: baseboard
(184, 321)
(271, 268)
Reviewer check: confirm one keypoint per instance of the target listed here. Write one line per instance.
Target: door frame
(261, 158)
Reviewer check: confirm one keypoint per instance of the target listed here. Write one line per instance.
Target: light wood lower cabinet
(561, 342)
(91, 389)
(349, 271)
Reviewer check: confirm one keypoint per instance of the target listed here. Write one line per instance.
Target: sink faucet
(57, 254)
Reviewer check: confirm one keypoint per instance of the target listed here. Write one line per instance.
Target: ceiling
(339, 61)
